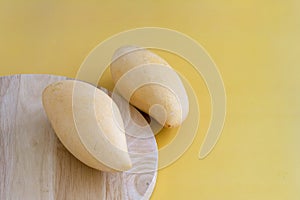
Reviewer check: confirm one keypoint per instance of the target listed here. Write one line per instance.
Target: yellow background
(256, 46)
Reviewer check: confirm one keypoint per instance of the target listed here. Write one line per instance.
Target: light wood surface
(35, 165)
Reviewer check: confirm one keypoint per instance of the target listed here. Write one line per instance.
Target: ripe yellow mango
(150, 84)
(88, 123)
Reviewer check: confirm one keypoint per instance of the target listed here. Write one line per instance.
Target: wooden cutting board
(35, 165)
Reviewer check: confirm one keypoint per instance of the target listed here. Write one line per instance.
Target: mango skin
(164, 97)
(88, 123)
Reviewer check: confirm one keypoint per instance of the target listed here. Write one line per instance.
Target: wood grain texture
(35, 165)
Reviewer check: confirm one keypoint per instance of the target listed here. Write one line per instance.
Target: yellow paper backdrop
(256, 46)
